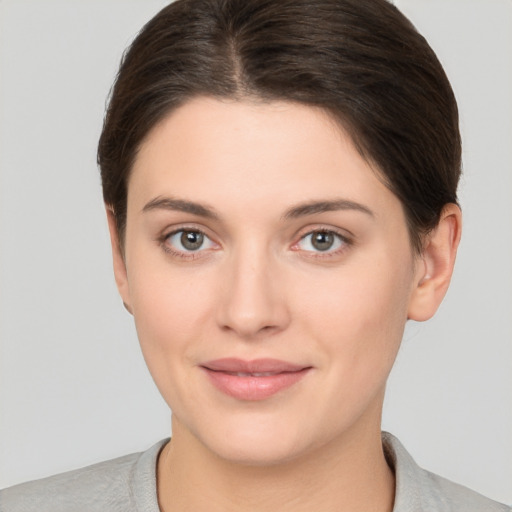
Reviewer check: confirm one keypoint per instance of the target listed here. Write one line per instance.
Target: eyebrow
(300, 210)
(180, 205)
(315, 207)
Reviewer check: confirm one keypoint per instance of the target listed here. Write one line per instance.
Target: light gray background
(73, 386)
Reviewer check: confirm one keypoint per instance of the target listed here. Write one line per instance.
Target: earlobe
(118, 260)
(435, 265)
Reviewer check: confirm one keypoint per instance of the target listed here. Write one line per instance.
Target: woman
(280, 181)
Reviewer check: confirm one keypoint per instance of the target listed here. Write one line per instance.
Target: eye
(322, 241)
(187, 241)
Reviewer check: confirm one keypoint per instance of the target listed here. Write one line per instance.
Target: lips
(253, 380)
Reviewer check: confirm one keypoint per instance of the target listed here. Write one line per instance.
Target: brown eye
(188, 240)
(191, 240)
(322, 241)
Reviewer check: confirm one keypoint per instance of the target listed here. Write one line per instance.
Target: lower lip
(254, 388)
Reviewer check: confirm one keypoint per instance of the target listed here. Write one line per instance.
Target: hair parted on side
(361, 61)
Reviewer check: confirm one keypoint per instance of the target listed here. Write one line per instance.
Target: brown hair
(361, 61)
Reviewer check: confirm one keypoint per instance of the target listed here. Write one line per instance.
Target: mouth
(253, 380)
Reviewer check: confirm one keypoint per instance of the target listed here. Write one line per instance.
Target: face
(270, 274)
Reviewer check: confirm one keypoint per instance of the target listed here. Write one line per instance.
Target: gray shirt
(128, 484)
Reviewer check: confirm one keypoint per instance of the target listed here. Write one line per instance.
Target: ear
(435, 265)
(118, 260)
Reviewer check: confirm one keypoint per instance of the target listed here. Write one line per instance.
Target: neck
(349, 474)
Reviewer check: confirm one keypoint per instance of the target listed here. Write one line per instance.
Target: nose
(252, 303)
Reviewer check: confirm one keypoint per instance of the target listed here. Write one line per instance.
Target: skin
(259, 288)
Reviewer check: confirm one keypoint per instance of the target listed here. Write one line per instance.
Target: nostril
(247, 331)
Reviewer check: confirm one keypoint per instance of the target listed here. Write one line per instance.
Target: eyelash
(184, 255)
(346, 242)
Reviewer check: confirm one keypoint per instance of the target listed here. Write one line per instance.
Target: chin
(256, 441)
(255, 452)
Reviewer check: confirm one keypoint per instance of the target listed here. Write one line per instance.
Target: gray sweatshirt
(128, 484)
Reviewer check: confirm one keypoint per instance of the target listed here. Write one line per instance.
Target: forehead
(217, 151)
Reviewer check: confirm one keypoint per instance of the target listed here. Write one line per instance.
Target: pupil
(322, 241)
(191, 240)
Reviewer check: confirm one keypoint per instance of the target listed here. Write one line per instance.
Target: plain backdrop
(74, 389)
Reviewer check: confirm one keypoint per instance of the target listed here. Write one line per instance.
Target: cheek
(172, 313)
(171, 307)
(358, 314)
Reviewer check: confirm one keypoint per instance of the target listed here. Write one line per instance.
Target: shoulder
(417, 489)
(453, 496)
(90, 487)
(117, 485)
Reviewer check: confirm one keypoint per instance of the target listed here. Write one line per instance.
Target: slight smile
(253, 380)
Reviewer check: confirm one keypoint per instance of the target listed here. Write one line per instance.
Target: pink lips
(253, 380)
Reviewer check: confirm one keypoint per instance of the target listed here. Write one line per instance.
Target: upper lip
(231, 364)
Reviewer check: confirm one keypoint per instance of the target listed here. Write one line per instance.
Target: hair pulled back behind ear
(361, 61)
